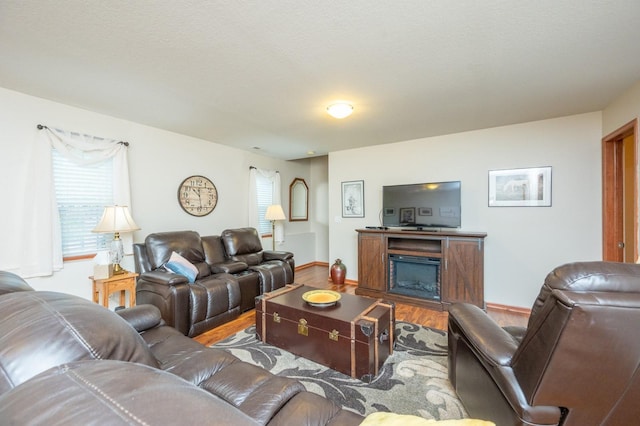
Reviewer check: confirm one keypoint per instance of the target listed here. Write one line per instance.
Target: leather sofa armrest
(141, 317)
(488, 339)
(254, 390)
(229, 267)
(276, 255)
(306, 405)
(161, 277)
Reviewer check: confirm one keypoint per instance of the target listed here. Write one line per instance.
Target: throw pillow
(179, 265)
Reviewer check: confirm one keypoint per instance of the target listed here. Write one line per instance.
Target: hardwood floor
(318, 276)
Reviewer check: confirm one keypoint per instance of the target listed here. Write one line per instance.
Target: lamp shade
(275, 212)
(116, 219)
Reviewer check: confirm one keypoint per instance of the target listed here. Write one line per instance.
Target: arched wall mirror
(298, 200)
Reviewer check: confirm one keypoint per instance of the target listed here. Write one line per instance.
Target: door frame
(613, 192)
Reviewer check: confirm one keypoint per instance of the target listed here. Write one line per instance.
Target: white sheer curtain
(41, 252)
(276, 197)
(254, 213)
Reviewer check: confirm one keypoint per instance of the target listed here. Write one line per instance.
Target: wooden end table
(102, 288)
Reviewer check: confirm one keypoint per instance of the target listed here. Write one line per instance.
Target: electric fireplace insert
(414, 276)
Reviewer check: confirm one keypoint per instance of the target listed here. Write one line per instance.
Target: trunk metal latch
(302, 327)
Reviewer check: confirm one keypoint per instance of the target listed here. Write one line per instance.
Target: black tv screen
(422, 205)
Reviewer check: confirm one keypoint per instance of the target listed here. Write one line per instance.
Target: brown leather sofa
(192, 308)
(66, 360)
(576, 363)
(232, 271)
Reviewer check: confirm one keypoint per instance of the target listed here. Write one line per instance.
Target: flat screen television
(422, 205)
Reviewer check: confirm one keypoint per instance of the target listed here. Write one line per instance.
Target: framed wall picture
(408, 215)
(353, 198)
(425, 211)
(529, 187)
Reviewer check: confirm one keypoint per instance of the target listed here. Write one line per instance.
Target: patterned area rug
(413, 380)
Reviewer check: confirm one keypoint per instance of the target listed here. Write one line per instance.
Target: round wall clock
(197, 195)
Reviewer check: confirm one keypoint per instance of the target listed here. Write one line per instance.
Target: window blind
(264, 187)
(81, 193)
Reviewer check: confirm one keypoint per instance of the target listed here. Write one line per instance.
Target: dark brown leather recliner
(276, 268)
(576, 363)
(192, 308)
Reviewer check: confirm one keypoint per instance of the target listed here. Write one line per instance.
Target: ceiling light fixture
(340, 110)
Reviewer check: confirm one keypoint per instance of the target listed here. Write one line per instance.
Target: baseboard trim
(511, 309)
(324, 265)
(311, 264)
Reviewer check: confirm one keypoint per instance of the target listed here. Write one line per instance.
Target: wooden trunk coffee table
(354, 336)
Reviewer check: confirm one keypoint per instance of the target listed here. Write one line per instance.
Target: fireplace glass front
(414, 276)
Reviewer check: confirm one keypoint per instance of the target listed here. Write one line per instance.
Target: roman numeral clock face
(197, 195)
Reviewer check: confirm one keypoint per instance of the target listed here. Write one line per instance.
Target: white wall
(622, 110)
(523, 243)
(158, 160)
(319, 201)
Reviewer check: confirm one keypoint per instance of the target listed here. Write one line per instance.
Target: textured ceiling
(260, 73)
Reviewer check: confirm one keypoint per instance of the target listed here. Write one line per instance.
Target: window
(264, 186)
(85, 191)
(82, 192)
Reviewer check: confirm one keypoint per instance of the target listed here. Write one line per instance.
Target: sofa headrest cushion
(10, 283)
(241, 241)
(213, 249)
(596, 276)
(161, 245)
(39, 330)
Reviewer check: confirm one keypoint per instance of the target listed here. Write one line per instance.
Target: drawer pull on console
(333, 335)
(276, 317)
(302, 327)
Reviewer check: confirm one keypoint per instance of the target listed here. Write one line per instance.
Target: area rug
(413, 380)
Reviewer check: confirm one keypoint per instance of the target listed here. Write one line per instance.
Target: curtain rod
(252, 167)
(42, 126)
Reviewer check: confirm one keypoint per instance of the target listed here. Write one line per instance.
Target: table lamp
(274, 212)
(116, 219)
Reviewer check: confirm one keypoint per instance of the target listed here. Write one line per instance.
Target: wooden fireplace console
(461, 257)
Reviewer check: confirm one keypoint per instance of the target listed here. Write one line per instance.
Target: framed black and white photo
(353, 198)
(425, 211)
(389, 211)
(408, 215)
(530, 187)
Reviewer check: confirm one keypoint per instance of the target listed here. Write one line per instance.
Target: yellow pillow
(390, 419)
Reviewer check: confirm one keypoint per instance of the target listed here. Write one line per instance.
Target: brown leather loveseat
(66, 360)
(232, 270)
(576, 363)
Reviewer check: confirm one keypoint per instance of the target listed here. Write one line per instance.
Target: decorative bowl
(321, 298)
